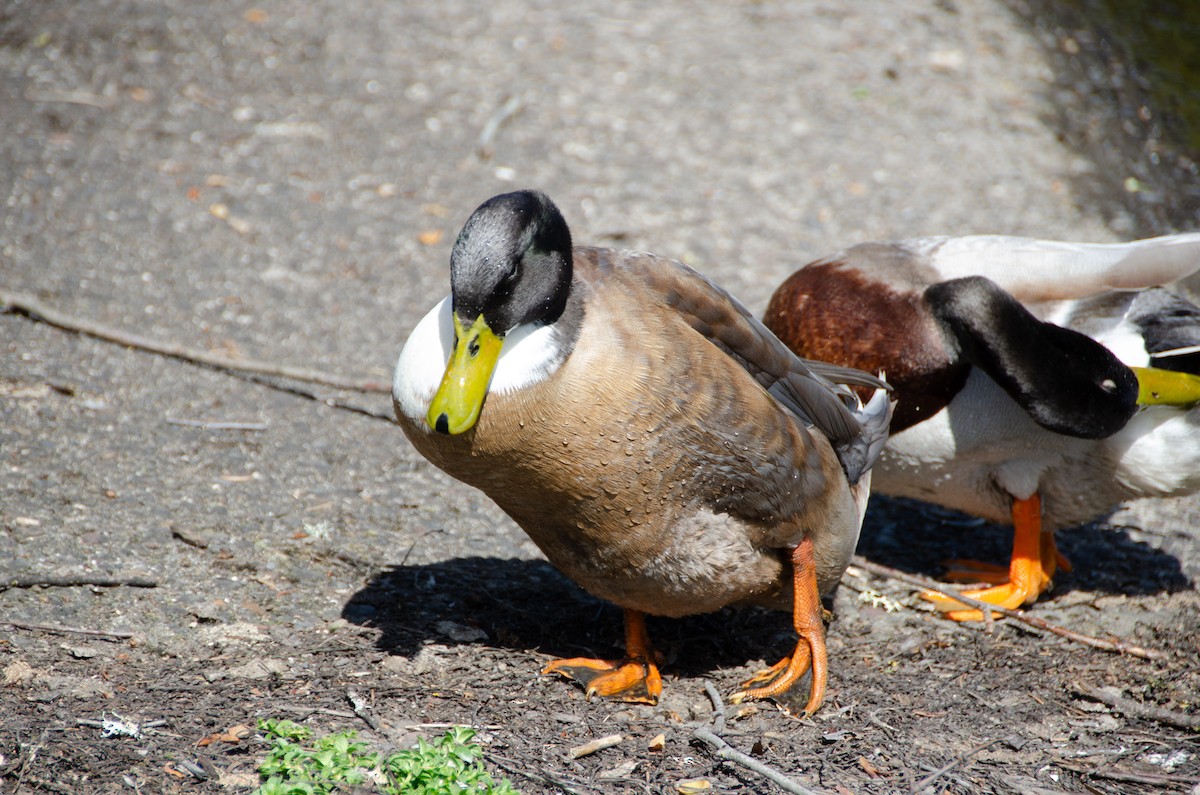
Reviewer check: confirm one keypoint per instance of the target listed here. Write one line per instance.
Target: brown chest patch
(833, 313)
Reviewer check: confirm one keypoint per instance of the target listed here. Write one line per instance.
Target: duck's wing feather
(1042, 270)
(1066, 381)
(815, 392)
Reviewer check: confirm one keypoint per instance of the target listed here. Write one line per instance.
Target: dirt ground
(282, 181)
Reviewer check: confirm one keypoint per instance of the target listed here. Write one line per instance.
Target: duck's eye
(511, 276)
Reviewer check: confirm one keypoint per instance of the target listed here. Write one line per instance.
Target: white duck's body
(998, 406)
(978, 460)
(983, 450)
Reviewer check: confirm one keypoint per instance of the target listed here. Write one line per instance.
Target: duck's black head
(512, 262)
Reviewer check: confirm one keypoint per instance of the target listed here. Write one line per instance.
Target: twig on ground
(592, 747)
(31, 753)
(71, 98)
(1134, 709)
(46, 784)
(360, 709)
(308, 394)
(72, 580)
(190, 540)
(1115, 645)
(1154, 779)
(491, 727)
(543, 778)
(874, 720)
(494, 122)
(36, 310)
(305, 711)
(205, 425)
(727, 751)
(97, 633)
(941, 771)
(718, 707)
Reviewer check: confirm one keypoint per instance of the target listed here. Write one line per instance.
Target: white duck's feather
(530, 353)
(1044, 270)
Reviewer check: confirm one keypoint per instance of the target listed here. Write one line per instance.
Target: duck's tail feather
(860, 453)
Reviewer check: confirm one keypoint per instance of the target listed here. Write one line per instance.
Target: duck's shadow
(528, 605)
(919, 538)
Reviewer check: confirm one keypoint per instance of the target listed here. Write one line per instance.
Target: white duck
(1039, 383)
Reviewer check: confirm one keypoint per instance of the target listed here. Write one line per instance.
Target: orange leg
(1035, 558)
(810, 649)
(635, 678)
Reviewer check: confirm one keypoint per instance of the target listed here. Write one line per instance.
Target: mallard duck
(663, 449)
(1039, 383)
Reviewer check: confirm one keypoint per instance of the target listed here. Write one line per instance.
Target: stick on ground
(33, 308)
(727, 751)
(941, 771)
(95, 633)
(1136, 709)
(73, 580)
(1114, 645)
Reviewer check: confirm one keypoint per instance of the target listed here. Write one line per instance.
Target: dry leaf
(623, 770)
(233, 734)
(693, 786)
(658, 743)
(430, 237)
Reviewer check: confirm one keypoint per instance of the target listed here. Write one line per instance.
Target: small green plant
(449, 765)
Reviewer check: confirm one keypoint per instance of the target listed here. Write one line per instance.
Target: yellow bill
(1166, 387)
(459, 399)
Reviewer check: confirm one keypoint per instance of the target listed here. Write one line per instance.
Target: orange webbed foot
(810, 648)
(1030, 573)
(968, 570)
(634, 679)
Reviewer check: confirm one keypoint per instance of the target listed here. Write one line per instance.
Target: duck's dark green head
(510, 266)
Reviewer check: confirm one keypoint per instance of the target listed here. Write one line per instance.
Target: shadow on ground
(526, 605)
(919, 538)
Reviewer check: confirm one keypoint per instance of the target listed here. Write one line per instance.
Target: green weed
(298, 764)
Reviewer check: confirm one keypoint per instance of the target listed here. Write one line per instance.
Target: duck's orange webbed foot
(810, 649)
(1035, 559)
(634, 679)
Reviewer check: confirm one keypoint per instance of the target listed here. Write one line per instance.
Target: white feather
(1042, 270)
(529, 354)
(423, 361)
(1158, 451)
